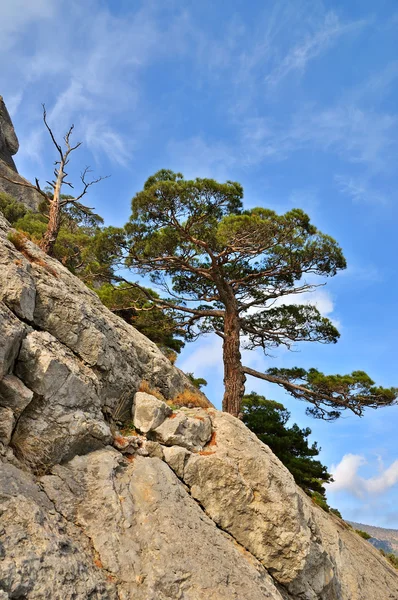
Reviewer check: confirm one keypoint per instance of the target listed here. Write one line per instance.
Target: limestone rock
(65, 417)
(12, 332)
(8, 147)
(14, 394)
(149, 412)
(110, 355)
(7, 422)
(187, 429)
(247, 491)
(127, 444)
(8, 140)
(17, 288)
(150, 535)
(176, 457)
(41, 554)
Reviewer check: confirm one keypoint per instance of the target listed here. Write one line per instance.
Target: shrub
(390, 557)
(320, 500)
(363, 534)
(336, 512)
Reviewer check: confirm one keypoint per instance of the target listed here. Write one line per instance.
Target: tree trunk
(54, 218)
(234, 377)
(50, 237)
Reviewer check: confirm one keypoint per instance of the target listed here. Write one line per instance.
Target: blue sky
(294, 99)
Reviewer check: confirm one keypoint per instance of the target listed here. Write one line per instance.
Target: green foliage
(331, 393)
(363, 534)
(93, 252)
(133, 306)
(11, 208)
(336, 512)
(198, 382)
(320, 500)
(83, 245)
(390, 557)
(195, 241)
(268, 420)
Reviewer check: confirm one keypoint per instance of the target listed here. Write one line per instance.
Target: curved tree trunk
(54, 216)
(50, 237)
(234, 377)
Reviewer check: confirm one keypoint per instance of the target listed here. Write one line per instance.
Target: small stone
(149, 412)
(7, 422)
(176, 457)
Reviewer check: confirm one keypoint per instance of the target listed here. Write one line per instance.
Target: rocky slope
(193, 507)
(385, 539)
(108, 493)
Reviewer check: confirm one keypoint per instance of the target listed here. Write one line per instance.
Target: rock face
(9, 144)
(8, 147)
(106, 493)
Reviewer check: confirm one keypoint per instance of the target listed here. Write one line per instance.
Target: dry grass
(191, 399)
(19, 240)
(145, 387)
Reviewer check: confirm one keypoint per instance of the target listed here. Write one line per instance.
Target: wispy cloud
(360, 190)
(94, 62)
(298, 57)
(346, 477)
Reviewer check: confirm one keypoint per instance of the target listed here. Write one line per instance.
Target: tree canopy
(227, 270)
(268, 420)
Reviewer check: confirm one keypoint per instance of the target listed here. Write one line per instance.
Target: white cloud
(206, 356)
(346, 477)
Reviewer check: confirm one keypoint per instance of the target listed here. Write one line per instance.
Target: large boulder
(248, 493)
(150, 535)
(65, 416)
(12, 331)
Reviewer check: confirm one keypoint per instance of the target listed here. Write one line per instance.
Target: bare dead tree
(55, 200)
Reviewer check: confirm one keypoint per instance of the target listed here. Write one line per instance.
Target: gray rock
(7, 423)
(65, 416)
(12, 332)
(247, 491)
(149, 412)
(153, 449)
(150, 535)
(17, 287)
(190, 430)
(14, 394)
(8, 147)
(176, 457)
(42, 555)
(8, 140)
(127, 444)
